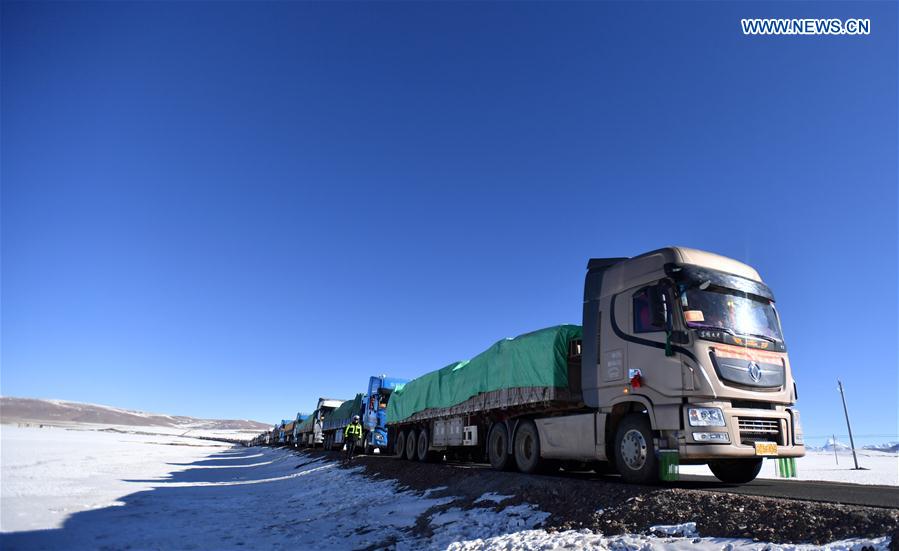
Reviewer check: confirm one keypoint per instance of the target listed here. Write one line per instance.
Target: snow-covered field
(47, 474)
(64, 489)
(880, 467)
(232, 434)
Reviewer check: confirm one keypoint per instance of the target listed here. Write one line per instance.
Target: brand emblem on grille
(755, 371)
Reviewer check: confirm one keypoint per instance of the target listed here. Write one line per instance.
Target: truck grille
(759, 430)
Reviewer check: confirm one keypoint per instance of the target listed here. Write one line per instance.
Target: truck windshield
(732, 311)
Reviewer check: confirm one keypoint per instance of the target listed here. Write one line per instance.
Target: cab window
(643, 313)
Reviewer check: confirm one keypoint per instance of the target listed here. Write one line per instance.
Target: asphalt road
(809, 490)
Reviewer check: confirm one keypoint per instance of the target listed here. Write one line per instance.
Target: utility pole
(835, 458)
(846, 411)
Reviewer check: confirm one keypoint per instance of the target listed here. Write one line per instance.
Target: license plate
(766, 448)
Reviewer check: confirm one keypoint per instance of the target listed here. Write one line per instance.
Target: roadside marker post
(846, 411)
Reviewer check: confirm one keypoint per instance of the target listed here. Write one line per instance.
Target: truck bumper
(725, 451)
(744, 427)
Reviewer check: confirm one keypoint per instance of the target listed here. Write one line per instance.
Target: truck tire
(327, 443)
(635, 454)
(736, 471)
(411, 443)
(424, 442)
(498, 447)
(399, 447)
(527, 447)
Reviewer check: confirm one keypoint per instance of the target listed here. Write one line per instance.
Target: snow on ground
(539, 540)
(89, 489)
(232, 434)
(882, 467)
(494, 497)
(48, 474)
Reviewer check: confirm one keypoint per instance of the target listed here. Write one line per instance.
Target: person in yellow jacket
(352, 434)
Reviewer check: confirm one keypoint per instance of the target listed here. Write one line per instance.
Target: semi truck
(374, 411)
(275, 434)
(294, 437)
(680, 358)
(371, 407)
(282, 431)
(309, 432)
(289, 435)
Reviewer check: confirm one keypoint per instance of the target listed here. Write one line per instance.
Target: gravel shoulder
(602, 504)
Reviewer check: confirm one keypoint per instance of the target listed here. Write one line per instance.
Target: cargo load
(304, 426)
(532, 367)
(342, 416)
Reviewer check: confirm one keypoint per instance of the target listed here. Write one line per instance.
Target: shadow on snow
(207, 505)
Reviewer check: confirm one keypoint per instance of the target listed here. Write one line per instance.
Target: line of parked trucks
(325, 425)
(680, 359)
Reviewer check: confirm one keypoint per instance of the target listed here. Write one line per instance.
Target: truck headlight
(797, 428)
(705, 417)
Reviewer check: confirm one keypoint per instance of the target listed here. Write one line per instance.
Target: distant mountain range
(832, 445)
(32, 410)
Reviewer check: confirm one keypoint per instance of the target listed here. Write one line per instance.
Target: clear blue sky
(230, 209)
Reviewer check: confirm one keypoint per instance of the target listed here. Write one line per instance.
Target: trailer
(310, 431)
(295, 429)
(336, 421)
(680, 360)
(289, 433)
(303, 432)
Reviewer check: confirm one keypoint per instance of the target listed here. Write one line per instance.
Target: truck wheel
(423, 444)
(327, 443)
(635, 454)
(411, 443)
(736, 471)
(527, 447)
(399, 447)
(498, 447)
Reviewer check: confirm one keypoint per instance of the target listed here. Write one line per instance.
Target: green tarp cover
(344, 413)
(537, 359)
(305, 426)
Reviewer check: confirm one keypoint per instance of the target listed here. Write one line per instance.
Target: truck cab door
(661, 375)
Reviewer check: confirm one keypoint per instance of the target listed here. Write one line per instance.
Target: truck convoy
(310, 432)
(680, 358)
(371, 407)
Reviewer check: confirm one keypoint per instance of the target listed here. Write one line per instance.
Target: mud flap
(669, 465)
(786, 467)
